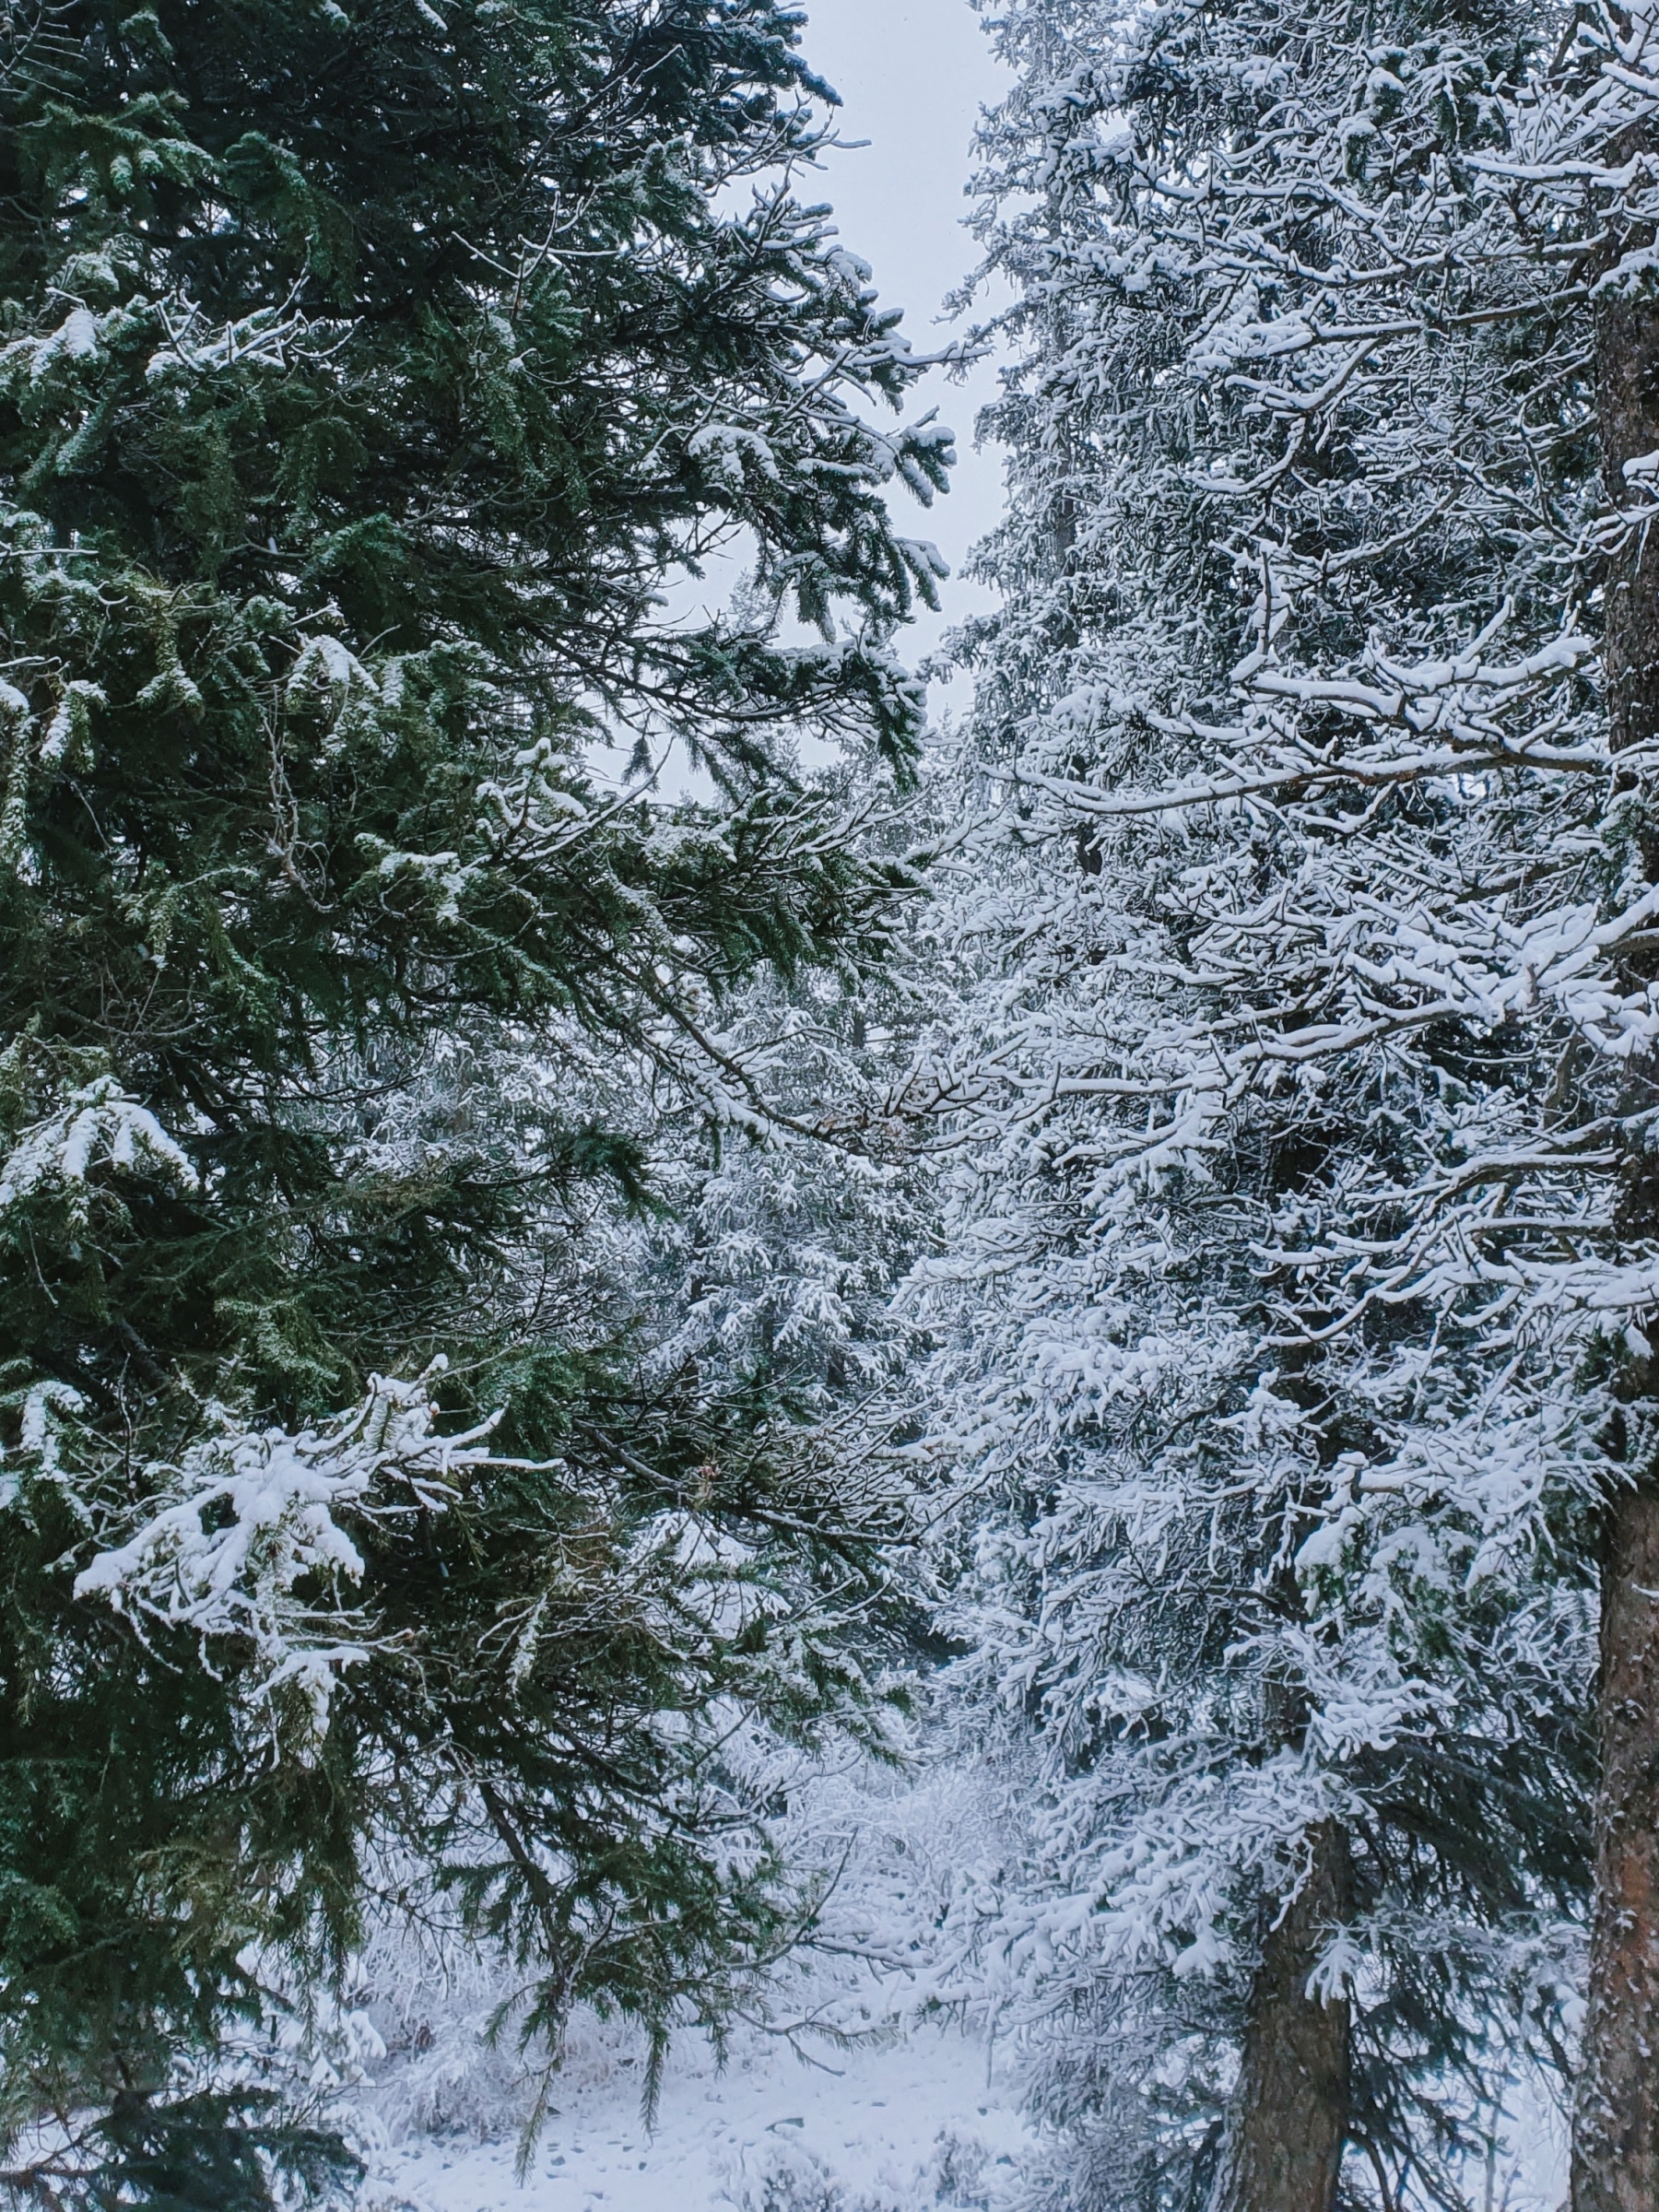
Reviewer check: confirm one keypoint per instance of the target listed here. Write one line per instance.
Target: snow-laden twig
(249, 1548)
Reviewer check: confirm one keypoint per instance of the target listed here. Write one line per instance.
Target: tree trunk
(1283, 2146)
(1616, 2125)
(1616, 2119)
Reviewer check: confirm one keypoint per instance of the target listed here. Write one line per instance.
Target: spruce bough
(366, 373)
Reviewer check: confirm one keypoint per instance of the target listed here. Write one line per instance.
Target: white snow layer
(926, 2122)
(851, 2087)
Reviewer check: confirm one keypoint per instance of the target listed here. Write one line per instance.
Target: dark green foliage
(202, 2153)
(206, 2152)
(365, 375)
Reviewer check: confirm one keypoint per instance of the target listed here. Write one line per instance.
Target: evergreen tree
(366, 373)
(1471, 218)
(776, 1250)
(1283, 1316)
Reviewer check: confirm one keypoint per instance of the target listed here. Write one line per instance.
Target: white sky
(913, 76)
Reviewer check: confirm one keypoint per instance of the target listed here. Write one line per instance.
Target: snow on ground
(914, 2114)
(921, 2123)
(892, 2109)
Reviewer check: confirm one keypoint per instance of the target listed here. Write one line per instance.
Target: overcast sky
(913, 76)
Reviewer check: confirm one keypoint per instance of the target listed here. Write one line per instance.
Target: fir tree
(366, 373)
(1278, 1314)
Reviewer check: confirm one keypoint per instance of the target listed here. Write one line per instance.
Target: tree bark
(1282, 2150)
(1616, 2124)
(1616, 2119)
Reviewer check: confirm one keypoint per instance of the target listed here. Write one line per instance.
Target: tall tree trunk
(1616, 2123)
(1283, 2146)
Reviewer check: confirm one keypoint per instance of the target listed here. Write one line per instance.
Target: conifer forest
(745, 1402)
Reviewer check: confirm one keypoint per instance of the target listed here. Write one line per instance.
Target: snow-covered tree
(775, 1246)
(368, 375)
(1299, 1282)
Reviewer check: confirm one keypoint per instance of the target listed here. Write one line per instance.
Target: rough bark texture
(1283, 2148)
(1615, 2128)
(1616, 2125)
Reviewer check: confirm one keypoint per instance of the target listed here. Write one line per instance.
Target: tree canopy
(368, 379)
